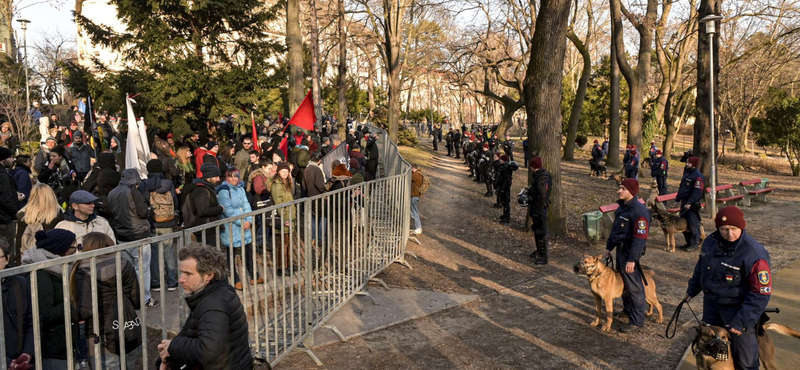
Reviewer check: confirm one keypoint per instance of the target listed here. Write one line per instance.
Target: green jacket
(280, 195)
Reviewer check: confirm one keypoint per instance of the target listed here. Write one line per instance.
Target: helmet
(523, 198)
(513, 165)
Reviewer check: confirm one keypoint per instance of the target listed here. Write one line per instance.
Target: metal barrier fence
(313, 254)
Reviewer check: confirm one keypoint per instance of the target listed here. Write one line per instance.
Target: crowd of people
(74, 194)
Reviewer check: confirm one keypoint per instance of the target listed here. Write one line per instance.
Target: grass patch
(754, 163)
(416, 155)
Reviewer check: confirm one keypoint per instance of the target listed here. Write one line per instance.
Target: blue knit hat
(56, 241)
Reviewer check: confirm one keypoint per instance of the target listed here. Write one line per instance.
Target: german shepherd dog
(606, 284)
(598, 169)
(618, 177)
(671, 224)
(712, 347)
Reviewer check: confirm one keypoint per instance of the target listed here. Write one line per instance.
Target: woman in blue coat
(233, 198)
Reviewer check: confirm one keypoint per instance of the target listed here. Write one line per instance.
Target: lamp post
(710, 22)
(24, 24)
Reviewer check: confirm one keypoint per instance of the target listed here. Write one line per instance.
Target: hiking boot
(622, 314)
(488, 194)
(497, 205)
(628, 329)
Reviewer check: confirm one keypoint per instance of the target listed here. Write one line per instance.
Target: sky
(46, 19)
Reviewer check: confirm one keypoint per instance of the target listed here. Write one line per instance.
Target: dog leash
(674, 319)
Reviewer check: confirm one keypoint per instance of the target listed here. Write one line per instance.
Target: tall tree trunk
(508, 113)
(612, 160)
(371, 85)
(702, 123)
(294, 41)
(342, 82)
(580, 95)
(542, 94)
(393, 35)
(669, 138)
(315, 83)
(410, 91)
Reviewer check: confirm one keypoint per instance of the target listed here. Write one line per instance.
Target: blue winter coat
(234, 199)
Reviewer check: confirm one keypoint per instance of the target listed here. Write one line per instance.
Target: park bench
(609, 208)
(726, 196)
(758, 192)
(661, 203)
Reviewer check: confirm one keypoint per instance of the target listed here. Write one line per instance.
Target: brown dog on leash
(712, 347)
(671, 224)
(606, 284)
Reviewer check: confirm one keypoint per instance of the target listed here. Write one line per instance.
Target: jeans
(111, 361)
(415, 212)
(319, 229)
(170, 258)
(53, 364)
(144, 276)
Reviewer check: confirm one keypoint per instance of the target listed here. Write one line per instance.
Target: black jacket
(539, 190)
(9, 203)
(215, 335)
(204, 201)
(15, 309)
(106, 290)
(104, 176)
(51, 315)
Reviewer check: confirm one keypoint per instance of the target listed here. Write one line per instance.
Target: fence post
(309, 275)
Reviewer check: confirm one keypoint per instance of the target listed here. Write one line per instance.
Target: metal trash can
(592, 225)
(764, 183)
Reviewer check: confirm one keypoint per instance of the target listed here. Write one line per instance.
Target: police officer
(597, 154)
(605, 147)
(632, 168)
(627, 155)
(629, 236)
(508, 148)
(734, 274)
(539, 191)
(457, 143)
(690, 194)
(504, 176)
(435, 138)
(484, 166)
(659, 172)
(448, 139)
(653, 150)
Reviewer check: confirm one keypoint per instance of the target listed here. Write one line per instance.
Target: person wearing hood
(22, 177)
(199, 204)
(301, 156)
(50, 245)
(233, 198)
(160, 195)
(130, 215)
(81, 155)
(115, 146)
(282, 189)
(43, 155)
(201, 153)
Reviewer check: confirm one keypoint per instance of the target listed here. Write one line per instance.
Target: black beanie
(56, 241)
(155, 166)
(209, 170)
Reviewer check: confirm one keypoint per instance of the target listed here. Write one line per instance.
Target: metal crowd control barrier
(313, 254)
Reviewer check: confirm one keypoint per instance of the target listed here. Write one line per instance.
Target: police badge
(763, 277)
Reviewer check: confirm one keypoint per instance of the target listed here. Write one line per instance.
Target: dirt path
(528, 316)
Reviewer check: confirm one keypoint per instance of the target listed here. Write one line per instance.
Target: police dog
(618, 177)
(597, 168)
(606, 284)
(712, 348)
(671, 224)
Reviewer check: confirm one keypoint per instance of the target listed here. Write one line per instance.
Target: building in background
(99, 12)
(7, 44)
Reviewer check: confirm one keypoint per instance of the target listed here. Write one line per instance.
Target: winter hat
(284, 166)
(486, 146)
(658, 152)
(130, 177)
(596, 142)
(695, 161)
(5, 153)
(155, 166)
(730, 215)
(50, 138)
(632, 185)
(633, 146)
(504, 158)
(211, 144)
(652, 143)
(357, 179)
(536, 163)
(209, 170)
(627, 146)
(55, 241)
(77, 134)
(633, 151)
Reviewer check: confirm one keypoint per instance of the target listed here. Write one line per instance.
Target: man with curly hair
(215, 335)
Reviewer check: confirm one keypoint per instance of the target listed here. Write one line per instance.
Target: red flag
(305, 117)
(284, 147)
(255, 136)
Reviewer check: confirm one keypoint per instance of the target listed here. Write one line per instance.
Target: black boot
(497, 205)
(488, 194)
(506, 218)
(541, 252)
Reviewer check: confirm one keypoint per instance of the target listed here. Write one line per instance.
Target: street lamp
(710, 22)
(24, 23)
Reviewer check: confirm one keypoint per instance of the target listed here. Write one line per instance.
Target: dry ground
(534, 317)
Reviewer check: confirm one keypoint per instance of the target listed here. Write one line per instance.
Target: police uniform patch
(765, 290)
(763, 277)
(698, 184)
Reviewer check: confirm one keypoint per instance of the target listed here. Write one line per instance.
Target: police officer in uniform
(629, 236)
(448, 139)
(597, 154)
(632, 168)
(457, 143)
(485, 163)
(435, 138)
(659, 172)
(627, 156)
(504, 176)
(734, 274)
(690, 194)
(539, 191)
(508, 148)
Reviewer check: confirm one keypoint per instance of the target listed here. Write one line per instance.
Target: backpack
(187, 211)
(163, 206)
(426, 183)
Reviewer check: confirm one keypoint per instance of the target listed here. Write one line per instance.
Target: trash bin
(764, 183)
(592, 225)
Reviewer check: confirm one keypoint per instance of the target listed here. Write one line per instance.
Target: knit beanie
(284, 166)
(596, 142)
(658, 152)
(633, 151)
(5, 153)
(211, 144)
(504, 158)
(632, 185)
(536, 163)
(155, 166)
(56, 241)
(730, 215)
(695, 161)
(209, 170)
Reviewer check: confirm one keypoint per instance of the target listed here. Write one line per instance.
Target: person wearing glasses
(17, 317)
(50, 245)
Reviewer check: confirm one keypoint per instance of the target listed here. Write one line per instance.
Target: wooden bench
(727, 196)
(608, 217)
(758, 192)
(662, 199)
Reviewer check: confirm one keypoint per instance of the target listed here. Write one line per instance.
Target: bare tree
(294, 41)
(46, 65)
(315, 61)
(12, 100)
(342, 76)
(702, 123)
(580, 94)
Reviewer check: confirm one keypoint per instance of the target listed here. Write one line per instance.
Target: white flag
(137, 151)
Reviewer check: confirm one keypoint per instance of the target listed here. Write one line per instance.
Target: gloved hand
(21, 363)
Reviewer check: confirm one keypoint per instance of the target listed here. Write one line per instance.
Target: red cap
(652, 143)
(633, 146)
(595, 142)
(504, 158)
(169, 136)
(695, 161)
(632, 185)
(536, 163)
(628, 146)
(486, 146)
(658, 152)
(730, 215)
(633, 151)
